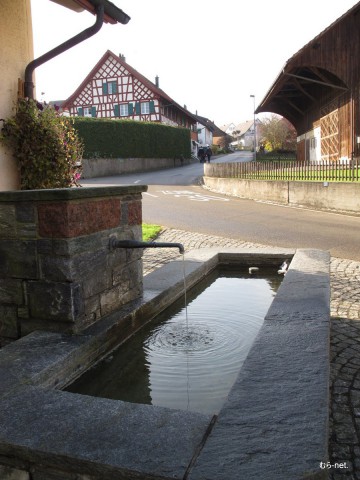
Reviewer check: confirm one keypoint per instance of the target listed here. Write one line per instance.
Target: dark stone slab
(70, 193)
(41, 358)
(275, 422)
(99, 436)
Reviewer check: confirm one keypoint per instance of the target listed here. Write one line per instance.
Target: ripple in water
(189, 361)
(174, 337)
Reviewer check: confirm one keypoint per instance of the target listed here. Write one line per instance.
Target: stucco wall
(16, 51)
(339, 196)
(103, 167)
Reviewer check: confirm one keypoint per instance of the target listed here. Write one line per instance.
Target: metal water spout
(114, 243)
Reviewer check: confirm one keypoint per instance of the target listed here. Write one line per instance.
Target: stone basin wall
(57, 271)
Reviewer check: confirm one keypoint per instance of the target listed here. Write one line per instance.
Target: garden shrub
(45, 145)
(108, 138)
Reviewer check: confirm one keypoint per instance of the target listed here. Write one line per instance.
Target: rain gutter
(80, 37)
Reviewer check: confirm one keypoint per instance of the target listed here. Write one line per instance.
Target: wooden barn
(318, 91)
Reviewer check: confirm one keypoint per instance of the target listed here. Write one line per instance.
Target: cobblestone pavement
(344, 412)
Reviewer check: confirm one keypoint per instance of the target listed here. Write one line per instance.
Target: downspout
(80, 37)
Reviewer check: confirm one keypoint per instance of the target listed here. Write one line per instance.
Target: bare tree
(277, 133)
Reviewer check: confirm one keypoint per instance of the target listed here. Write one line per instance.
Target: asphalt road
(174, 199)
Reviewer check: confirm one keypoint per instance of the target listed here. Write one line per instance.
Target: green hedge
(131, 139)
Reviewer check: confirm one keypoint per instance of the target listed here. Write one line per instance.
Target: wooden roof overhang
(317, 73)
(298, 89)
(112, 14)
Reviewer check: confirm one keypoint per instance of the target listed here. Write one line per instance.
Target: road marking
(150, 194)
(197, 197)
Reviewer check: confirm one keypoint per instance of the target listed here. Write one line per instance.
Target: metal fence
(340, 171)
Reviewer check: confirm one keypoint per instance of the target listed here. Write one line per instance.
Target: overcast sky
(209, 55)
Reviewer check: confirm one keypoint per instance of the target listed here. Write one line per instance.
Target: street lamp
(253, 97)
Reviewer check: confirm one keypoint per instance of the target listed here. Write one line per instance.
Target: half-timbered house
(318, 91)
(114, 89)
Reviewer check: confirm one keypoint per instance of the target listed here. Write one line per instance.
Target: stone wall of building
(57, 269)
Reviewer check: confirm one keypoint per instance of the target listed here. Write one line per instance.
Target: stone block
(78, 245)
(58, 269)
(134, 213)
(23, 312)
(8, 322)
(116, 297)
(55, 301)
(25, 212)
(18, 259)
(68, 220)
(7, 221)
(45, 246)
(92, 310)
(131, 213)
(26, 230)
(131, 272)
(90, 269)
(11, 291)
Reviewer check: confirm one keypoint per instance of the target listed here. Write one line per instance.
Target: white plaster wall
(16, 51)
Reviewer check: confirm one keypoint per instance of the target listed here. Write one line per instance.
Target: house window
(109, 88)
(145, 107)
(124, 110)
(86, 111)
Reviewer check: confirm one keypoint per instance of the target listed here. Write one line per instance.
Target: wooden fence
(287, 170)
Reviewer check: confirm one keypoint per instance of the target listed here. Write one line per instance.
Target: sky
(209, 55)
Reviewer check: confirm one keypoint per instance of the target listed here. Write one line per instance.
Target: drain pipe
(80, 37)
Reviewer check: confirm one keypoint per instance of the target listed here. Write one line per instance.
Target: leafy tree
(277, 133)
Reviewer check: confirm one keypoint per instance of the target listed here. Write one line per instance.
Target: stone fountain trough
(274, 424)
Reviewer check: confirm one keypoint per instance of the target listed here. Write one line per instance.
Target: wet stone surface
(344, 412)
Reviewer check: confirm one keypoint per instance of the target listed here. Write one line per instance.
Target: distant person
(201, 154)
(208, 154)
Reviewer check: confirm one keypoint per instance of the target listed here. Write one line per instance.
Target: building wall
(114, 91)
(334, 118)
(16, 51)
(205, 136)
